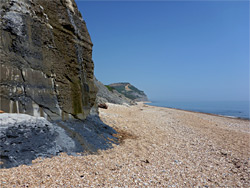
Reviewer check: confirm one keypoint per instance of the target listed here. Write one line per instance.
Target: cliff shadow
(21, 143)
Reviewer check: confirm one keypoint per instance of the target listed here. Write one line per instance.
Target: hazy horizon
(183, 51)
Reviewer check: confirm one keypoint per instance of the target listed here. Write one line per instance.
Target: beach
(159, 147)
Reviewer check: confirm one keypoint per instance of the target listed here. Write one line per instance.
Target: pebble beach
(159, 147)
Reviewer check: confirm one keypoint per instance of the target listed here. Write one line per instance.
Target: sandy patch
(127, 88)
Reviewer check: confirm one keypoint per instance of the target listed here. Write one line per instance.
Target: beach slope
(159, 147)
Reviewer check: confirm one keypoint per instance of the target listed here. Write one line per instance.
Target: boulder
(103, 106)
(24, 138)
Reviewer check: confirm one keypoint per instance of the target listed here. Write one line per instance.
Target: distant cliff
(46, 66)
(112, 96)
(129, 91)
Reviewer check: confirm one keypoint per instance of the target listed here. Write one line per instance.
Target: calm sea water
(232, 108)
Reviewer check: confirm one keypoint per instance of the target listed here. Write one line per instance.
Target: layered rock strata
(46, 66)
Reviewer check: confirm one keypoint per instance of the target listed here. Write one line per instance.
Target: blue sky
(174, 51)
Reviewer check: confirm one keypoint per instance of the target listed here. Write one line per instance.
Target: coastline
(233, 117)
(159, 147)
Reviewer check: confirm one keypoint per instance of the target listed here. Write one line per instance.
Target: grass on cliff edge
(109, 88)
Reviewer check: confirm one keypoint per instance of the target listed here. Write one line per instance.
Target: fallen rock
(24, 138)
(103, 106)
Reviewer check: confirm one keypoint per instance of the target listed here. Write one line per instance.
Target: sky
(172, 50)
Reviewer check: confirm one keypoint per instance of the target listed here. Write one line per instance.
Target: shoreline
(218, 115)
(159, 147)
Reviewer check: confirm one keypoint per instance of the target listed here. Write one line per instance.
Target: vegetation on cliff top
(109, 88)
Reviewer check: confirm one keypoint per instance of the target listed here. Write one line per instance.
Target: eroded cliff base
(24, 138)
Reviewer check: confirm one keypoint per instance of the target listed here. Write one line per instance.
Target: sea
(236, 109)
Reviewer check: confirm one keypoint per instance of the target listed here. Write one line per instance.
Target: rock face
(46, 70)
(129, 91)
(46, 66)
(104, 95)
(23, 138)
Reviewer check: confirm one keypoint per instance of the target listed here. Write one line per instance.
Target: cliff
(129, 91)
(46, 71)
(46, 66)
(105, 95)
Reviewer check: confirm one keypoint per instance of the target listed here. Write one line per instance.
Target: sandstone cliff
(46, 66)
(46, 70)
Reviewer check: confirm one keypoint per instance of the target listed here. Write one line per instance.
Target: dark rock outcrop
(104, 95)
(103, 105)
(46, 66)
(129, 91)
(23, 138)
